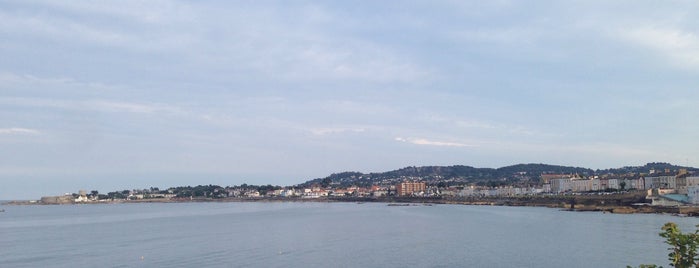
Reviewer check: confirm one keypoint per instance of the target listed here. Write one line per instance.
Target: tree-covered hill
(657, 166)
(467, 174)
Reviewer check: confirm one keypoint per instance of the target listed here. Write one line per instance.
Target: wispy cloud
(420, 141)
(60, 26)
(14, 79)
(475, 126)
(18, 130)
(677, 45)
(359, 61)
(335, 130)
(91, 105)
(129, 107)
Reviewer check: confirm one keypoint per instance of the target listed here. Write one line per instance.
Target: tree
(326, 182)
(622, 185)
(683, 247)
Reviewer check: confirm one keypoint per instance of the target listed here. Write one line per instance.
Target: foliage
(117, 195)
(263, 189)
(458, 173)
(683, 246)
(326, 182)
(210, 191)
(644, 169)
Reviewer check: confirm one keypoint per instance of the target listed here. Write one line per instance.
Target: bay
(312, 234)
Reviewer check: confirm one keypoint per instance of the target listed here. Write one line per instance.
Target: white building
(561, 185)
(614, 184)
(693, 194)
(581, 185)
(692, 181)
(661, 182)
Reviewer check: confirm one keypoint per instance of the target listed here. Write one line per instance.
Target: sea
(317, 234)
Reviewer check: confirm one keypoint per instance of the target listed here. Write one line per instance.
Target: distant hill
(459, 174)
(657, 166)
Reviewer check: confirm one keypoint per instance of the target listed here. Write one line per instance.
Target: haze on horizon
(132, 94)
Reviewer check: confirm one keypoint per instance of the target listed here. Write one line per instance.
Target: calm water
(325, 234)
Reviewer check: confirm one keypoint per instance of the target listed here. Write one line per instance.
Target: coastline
(629, 203)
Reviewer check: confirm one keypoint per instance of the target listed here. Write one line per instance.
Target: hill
(460, 174)
(656, 166)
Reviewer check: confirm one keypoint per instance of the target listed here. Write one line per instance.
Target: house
(661, 182)
(252, 193)
(82, 196)
(693, 194)
(561, 185)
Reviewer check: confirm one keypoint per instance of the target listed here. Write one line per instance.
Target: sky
(113, 95)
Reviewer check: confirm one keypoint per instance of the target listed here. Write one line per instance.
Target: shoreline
(630, 203)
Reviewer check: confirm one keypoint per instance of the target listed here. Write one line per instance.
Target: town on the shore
(657, 188)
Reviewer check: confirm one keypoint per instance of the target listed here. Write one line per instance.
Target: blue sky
(132, 94)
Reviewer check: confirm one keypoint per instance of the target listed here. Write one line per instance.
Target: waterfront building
(662, 182)
(546, 188)
(581, 185)
(597, 185)
(638, 184)
(340, 192)
(409, 188)
(252, 193)
(379, 192)
(288, 193)
(82, 196)
(547, 178)
(681, 184)
(467, 191)
(693, 194)
(685, 182)
(692, 181)
(561, 185)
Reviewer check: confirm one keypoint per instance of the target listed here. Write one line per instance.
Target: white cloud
(359, 61)
(154, 11)
(679, 46)
(59, 24)
(18, 130)
(295, 44)
(92, 105)
(335, 130)
(129, 107)
(484, 127)
(57, 28)
(14, 79)
(420, 141)
(71, 94)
